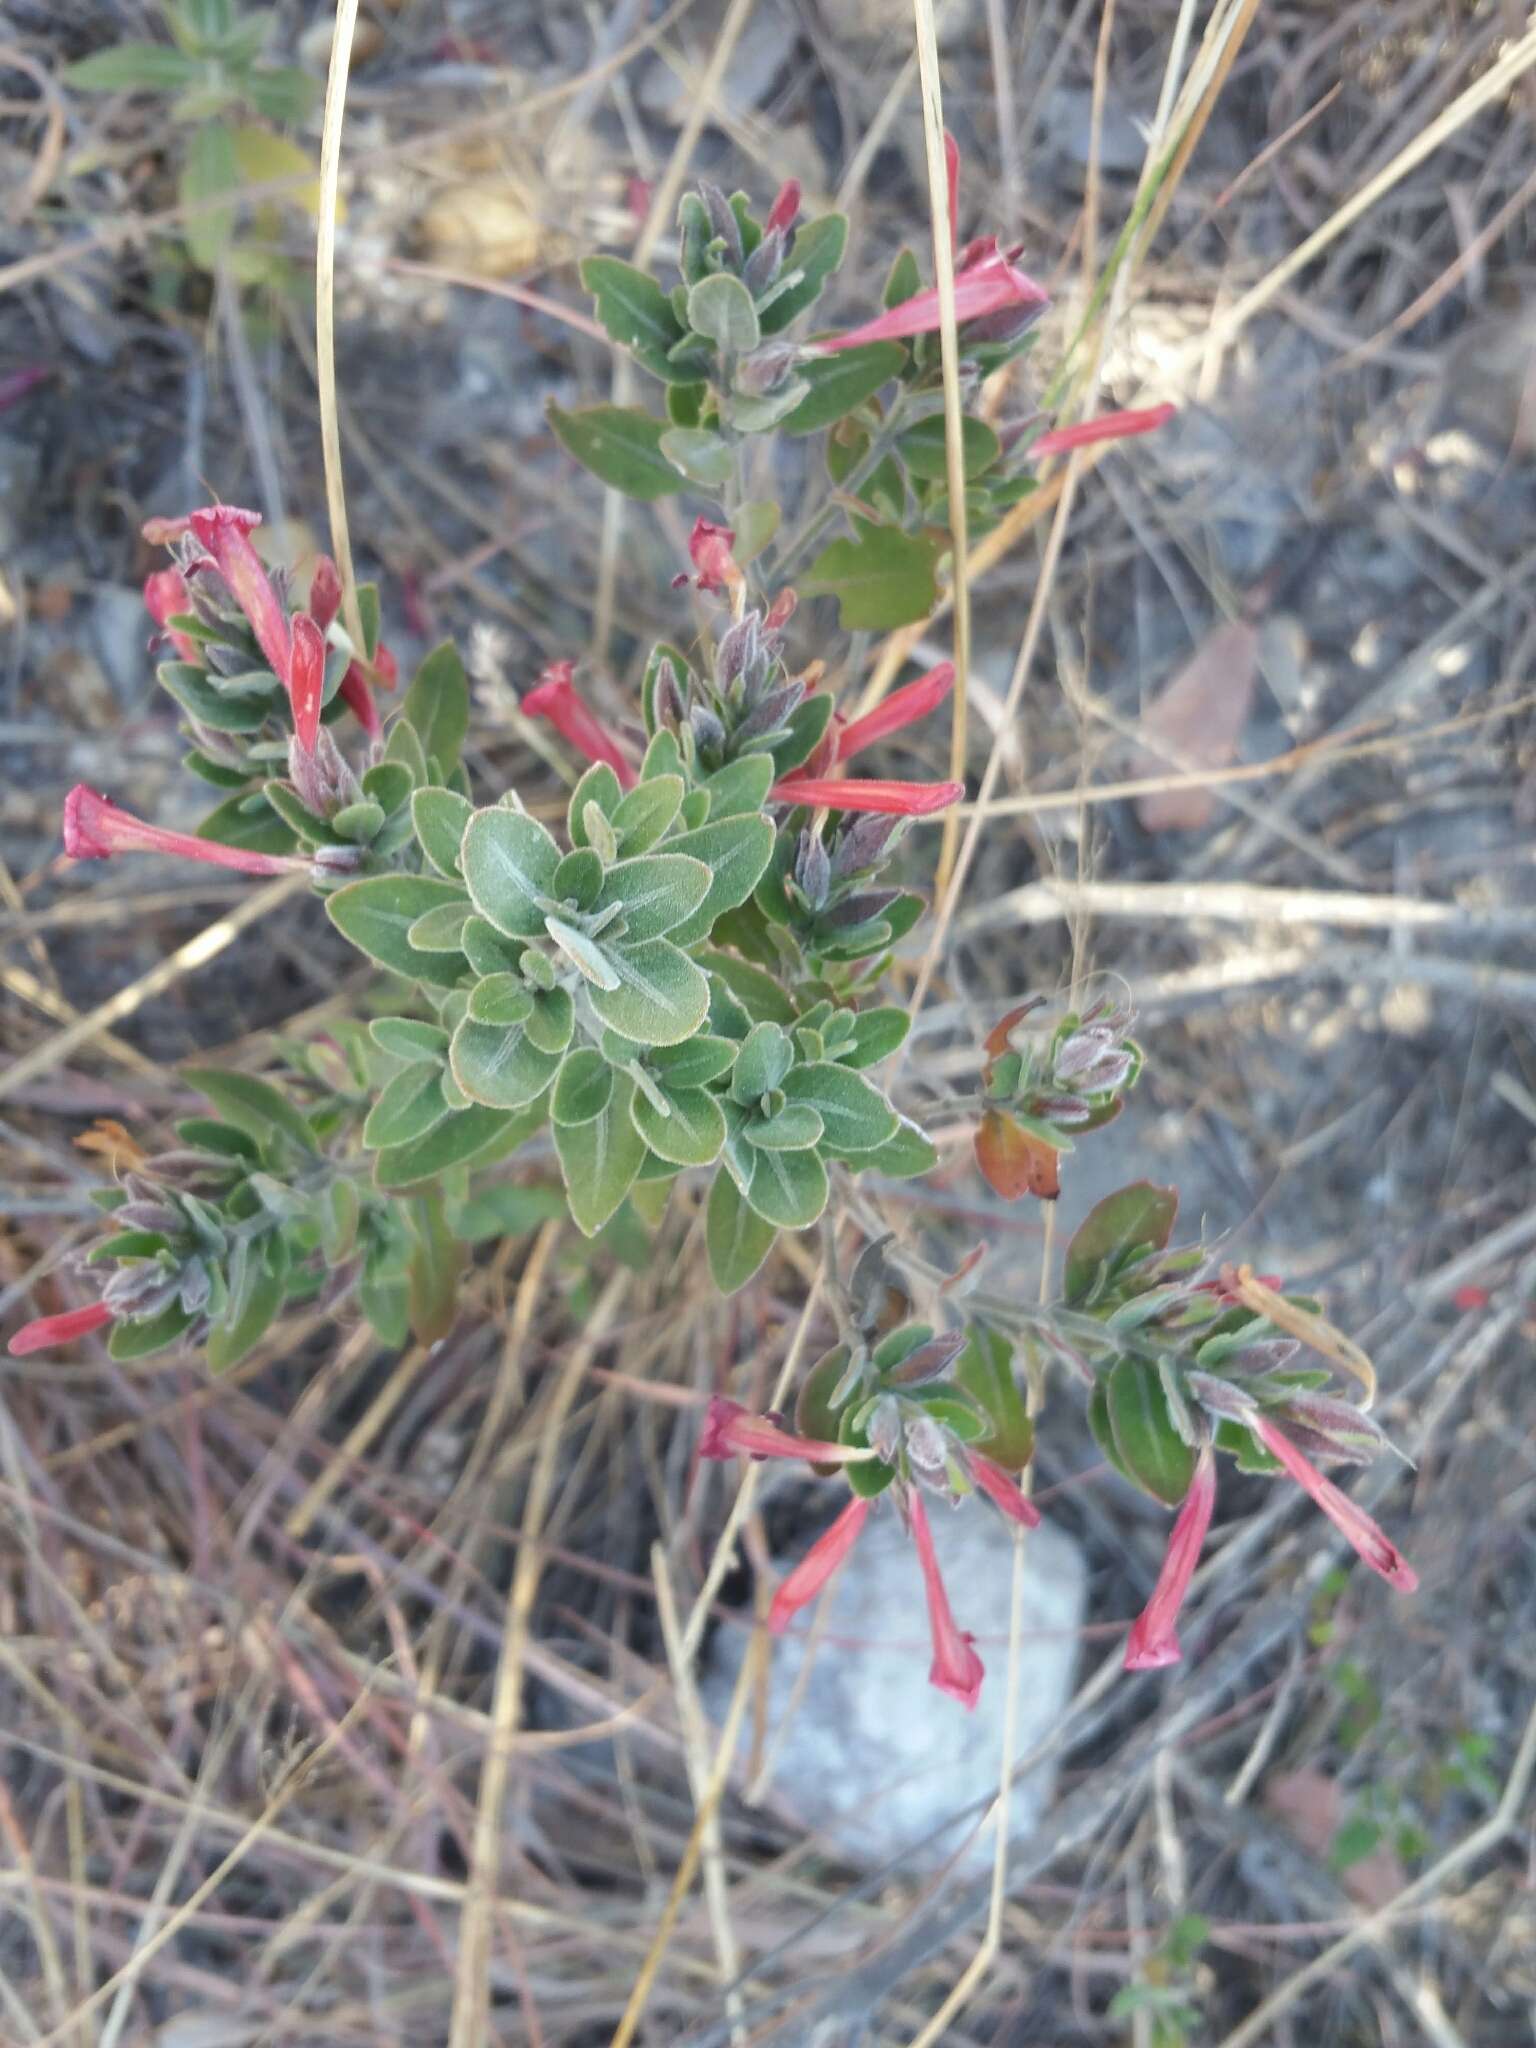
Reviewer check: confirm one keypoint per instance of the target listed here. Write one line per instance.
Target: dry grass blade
(325, 314)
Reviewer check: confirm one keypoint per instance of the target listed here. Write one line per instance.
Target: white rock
(874, 1759)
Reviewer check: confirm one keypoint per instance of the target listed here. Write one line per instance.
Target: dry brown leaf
(113, 1143)
(488, 230)
(1200, 714)
(1312, 1807)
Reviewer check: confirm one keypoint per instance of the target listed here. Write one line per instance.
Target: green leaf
(662, 996)
(788, 1188)
(407, 1108)
(631, 305)
(377, 914)
(691, 1135)
(437, 705)
(765, 1058)
(703, 456)
(507, 1211)
(457, 1141)
(437, 1261)
(755, 524)
(985, 1370)
(1151, 1449)
(250, 822)
(132, 67)
(721, 309)
(657, 892)
(138, 1339)
(816, 252)
(876, 1035)
(922, 448)
(487, 951)
(796, 1128)
(600, 1158)
(441, 930)
(251, 1105)
(621, 446)
(904, 1157)
(598, 785)
(644, 815)
(585, 954)
(734, 853)
(220, 710)
(551, 1020)
(498, 1065)
(843, 381)
(904, 282)
(508, 860)
(737, 1237)
(883, 578)
(701, 1060)
(500, 999)
(1138, 1217)
(409, 1040)
(280, 93)
(583, 1087)
(807, 724)
(857, 1116)
(208, 171)
(764, 1001)
(228, 1343)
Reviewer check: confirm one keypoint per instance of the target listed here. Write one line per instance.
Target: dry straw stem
(325, 316)
(206, 945)
(1509, 1815)
(472, 1989)
(1311, 1329)
(954, 419)
(1236, 903)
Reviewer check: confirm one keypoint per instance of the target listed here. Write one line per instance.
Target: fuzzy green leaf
(657, 892)
(377, 914)
(1139, 1217)
(621, 446)
(498, 1066)
(721, 309)
(734, 851)
(409, 1106)
(458, 1140)
(788, 1188)
(251, 1105)
(737, 1237)
(437, 705)
(508, 861)
(662, 998)
(857, 1116)
(881, 579)
(922, 448)
(690, 1135)
(641, 817)
(600, 1159)
(583, 1087)
(843, 381)
(816, 252)
(1150, 1448)
(439, 817)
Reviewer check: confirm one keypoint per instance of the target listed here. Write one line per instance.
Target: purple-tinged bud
(813, 870)
(884, 1429)
(1330, 1428)
(1061, 1109)
(930, 1361)
(1267, 1355)
(765, 369)
(927, 1443)
(1221, 1397)
(723, 220)
(770, 712)
(866, 843)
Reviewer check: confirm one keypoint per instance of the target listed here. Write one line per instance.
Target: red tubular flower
(357, 696)
(554, 697)
(952, 173)
(166, 597)
(817, 1566)
(1153, 1641)
(1000, 1489)
(306, 680)
(1350, 1520)
(1110, 426)
(988, 282)
(324, 593)
(47, 1331)
(785, 210)
(95, 829)
(896, 799)
(731, 1430)
(902, 707)
(225, 531)
(709, 548)
(956, 1668)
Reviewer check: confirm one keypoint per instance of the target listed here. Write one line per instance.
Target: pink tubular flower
(896, 799)
(225, 531)
(356, 695)
(785, 210)
(48, 1331)
(709, 548)
(817, 1566)
(987, 282)
(1350, 1520)
(903, 707)
(956, 1668)
(166, 597)
(1000, 1489)
(95, 829)
(1110, 426)
(306, 680)
(952, 175)
(554, 697)
(1153, 1641)
(731, 1430)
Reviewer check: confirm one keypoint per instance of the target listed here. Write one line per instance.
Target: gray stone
(873, 1759)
